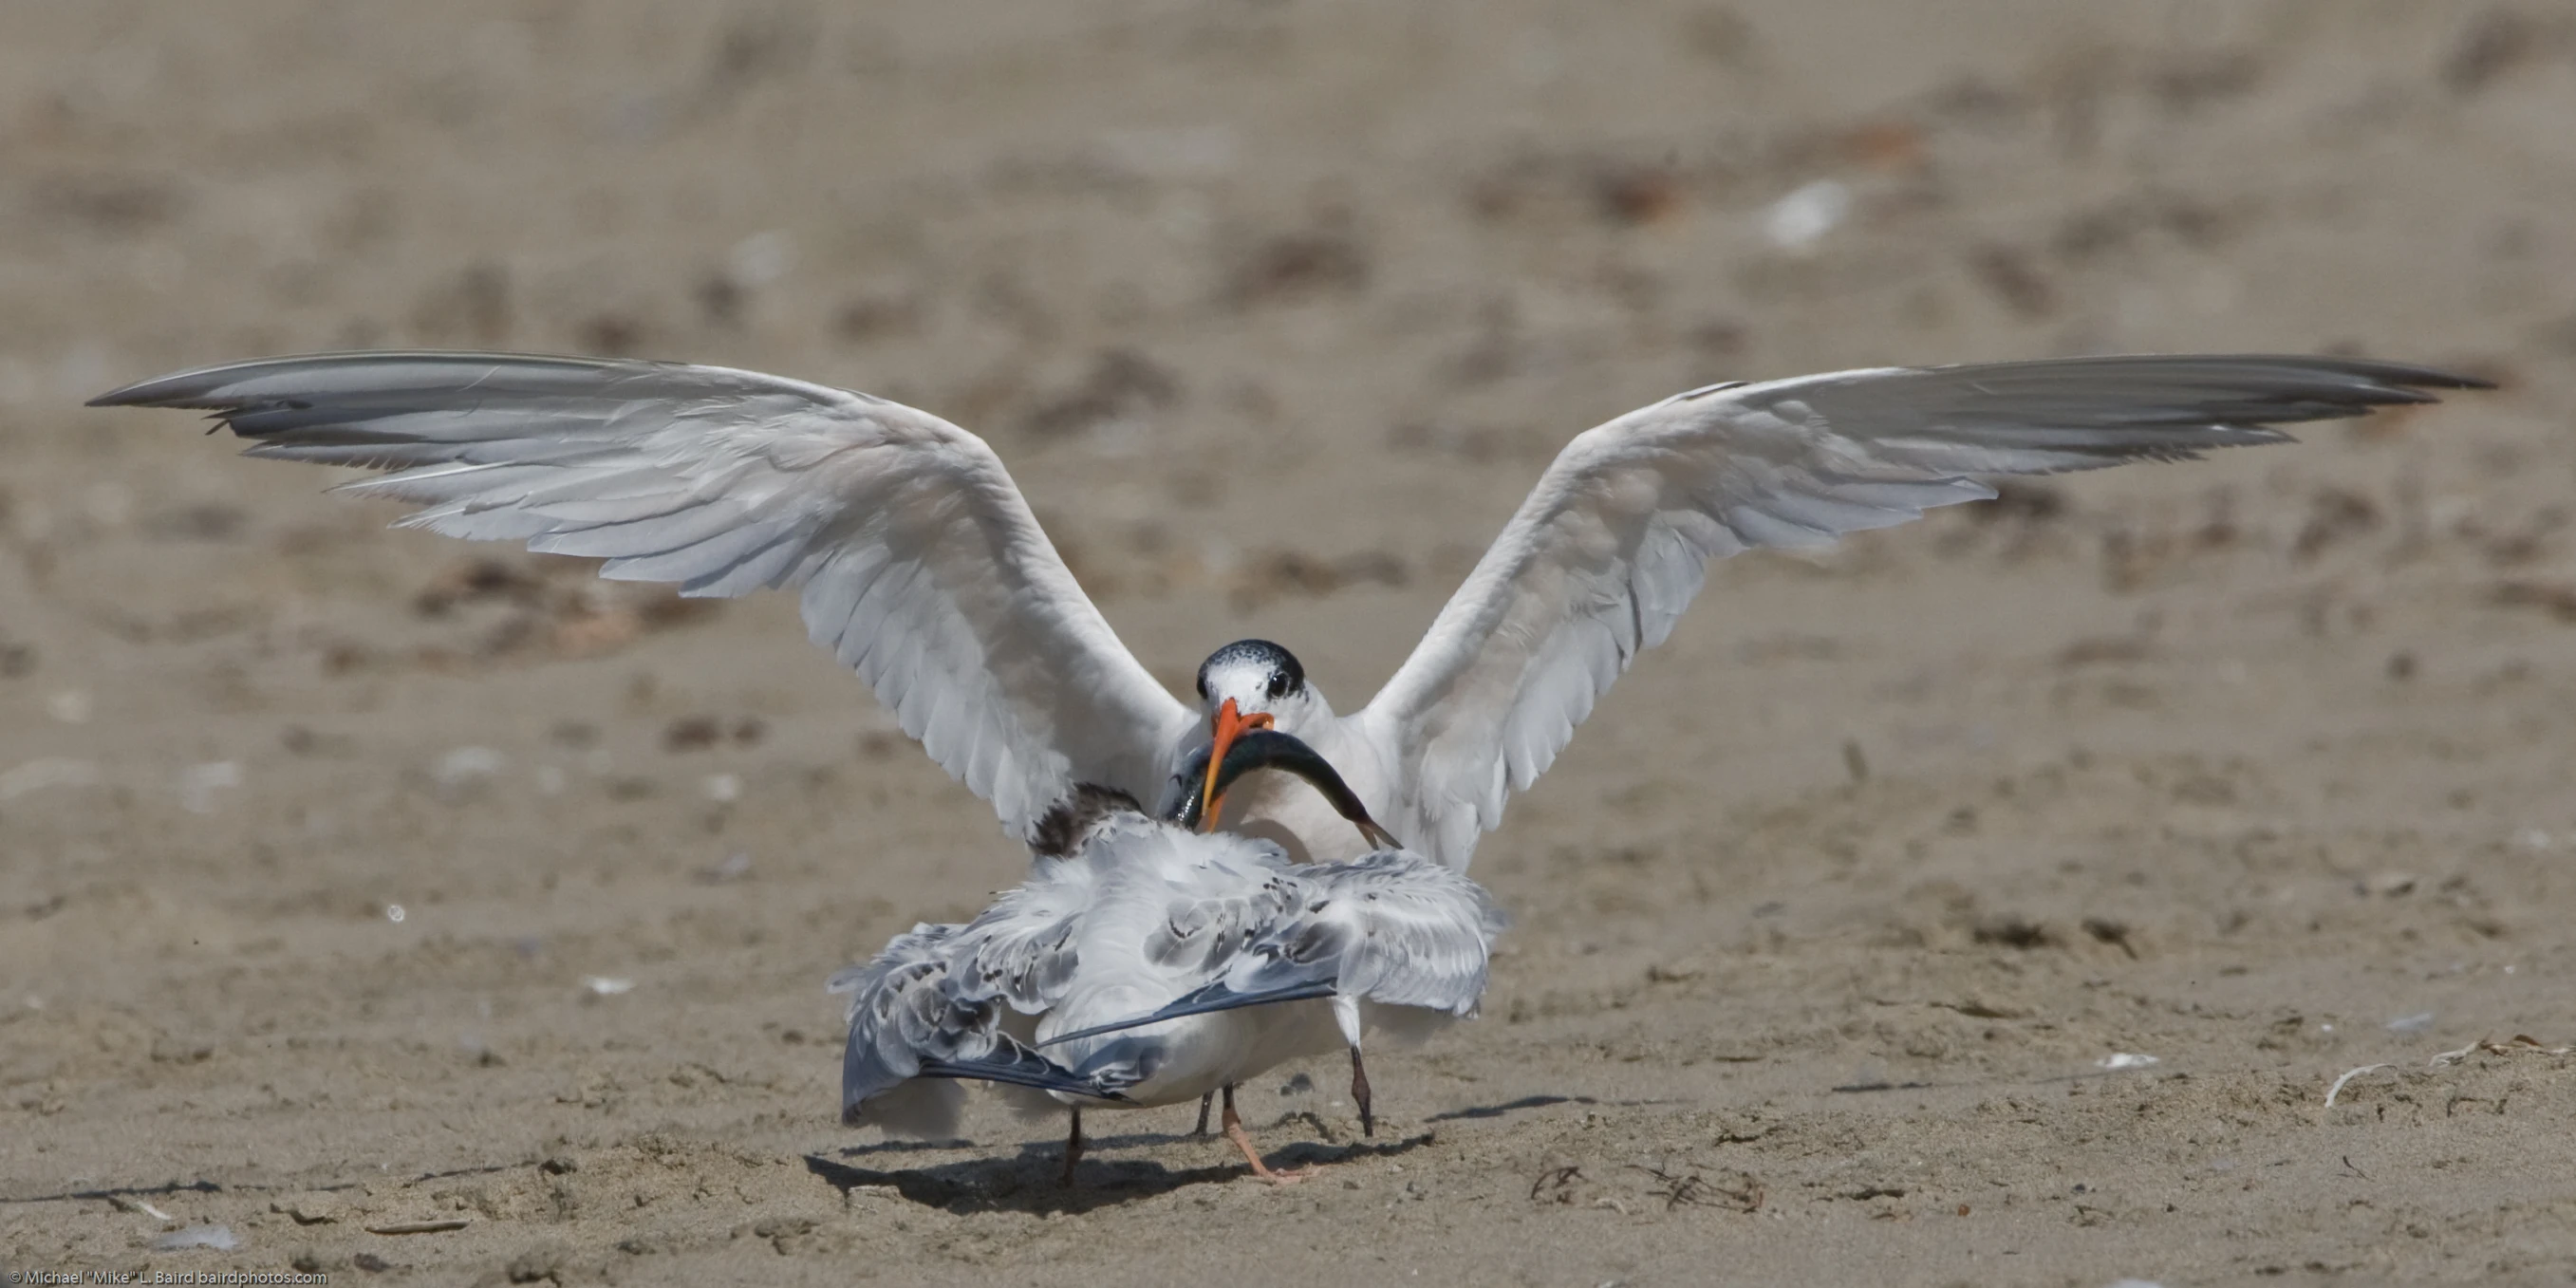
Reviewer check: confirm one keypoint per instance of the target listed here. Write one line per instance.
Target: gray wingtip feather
(206, 387)
(2402, 380)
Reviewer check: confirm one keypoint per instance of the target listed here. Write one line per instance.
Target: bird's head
(1253, 684)
(1257, 678)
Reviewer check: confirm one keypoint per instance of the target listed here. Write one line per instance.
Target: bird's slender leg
(1360, 1094)
(1243, 1141)
(1073, 1146)
(1204, 1103)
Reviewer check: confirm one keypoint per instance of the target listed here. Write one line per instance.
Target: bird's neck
(1307, 718)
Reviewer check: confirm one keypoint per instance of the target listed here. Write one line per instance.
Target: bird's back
(1172, 910)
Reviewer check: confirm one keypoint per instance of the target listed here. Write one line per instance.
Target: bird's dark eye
(1202, 688)
(1278, 683)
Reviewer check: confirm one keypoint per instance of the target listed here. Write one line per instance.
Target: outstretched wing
(919, 564)
(1610, 547)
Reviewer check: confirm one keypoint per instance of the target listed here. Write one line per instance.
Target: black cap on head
(1286, 675)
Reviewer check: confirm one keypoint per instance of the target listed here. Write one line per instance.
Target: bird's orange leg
(1243, 1141)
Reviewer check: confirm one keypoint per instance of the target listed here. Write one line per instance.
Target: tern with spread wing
(1161, 964)
(919, 565)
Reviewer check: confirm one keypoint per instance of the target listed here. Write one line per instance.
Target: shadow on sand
(1030, 1181)
(1509, 1106)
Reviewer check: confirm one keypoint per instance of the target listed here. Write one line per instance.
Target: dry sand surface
(1829, 925)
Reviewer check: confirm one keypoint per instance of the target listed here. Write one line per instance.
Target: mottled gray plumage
(932, 1007)
(1060, 831)
(923, 1016)
(1393, 928)
(1124, 914)
(899, 1012)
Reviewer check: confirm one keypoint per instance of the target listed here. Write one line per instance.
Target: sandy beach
(1989, 901)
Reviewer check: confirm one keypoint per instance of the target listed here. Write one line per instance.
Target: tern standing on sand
(1143, 963)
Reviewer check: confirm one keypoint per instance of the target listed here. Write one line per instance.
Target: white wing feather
(1608, 550)
(1392, 927)
(919, 563)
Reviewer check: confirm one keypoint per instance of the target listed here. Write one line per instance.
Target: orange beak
(1230, 725)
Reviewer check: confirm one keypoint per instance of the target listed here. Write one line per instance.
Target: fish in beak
(1261, 747)
(1231, 725)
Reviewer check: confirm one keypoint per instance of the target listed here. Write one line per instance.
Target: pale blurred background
(1276, 308)
(1176, 255)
